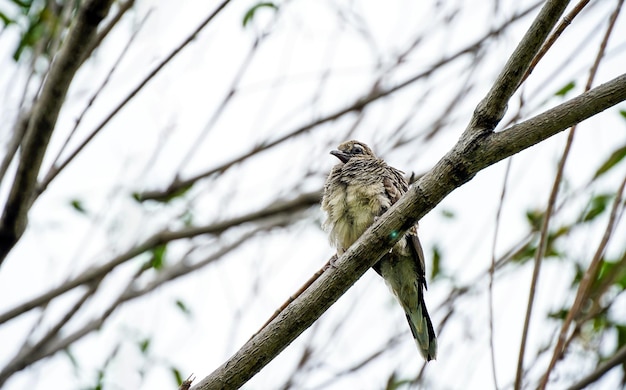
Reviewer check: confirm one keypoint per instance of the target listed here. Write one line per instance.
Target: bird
(358, 190)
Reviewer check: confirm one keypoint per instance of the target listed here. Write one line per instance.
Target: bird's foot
(331, 263)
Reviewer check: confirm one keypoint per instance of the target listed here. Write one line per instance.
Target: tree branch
(98, 272)
(469, 156)
(43, 120)
(373, 95)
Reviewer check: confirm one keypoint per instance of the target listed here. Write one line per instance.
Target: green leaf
(436, 267)
(615, 157)
(597, 205)
(144, 345)
(183, 307)
(5, 19)
(164, 197)
(78, 206)
(558, 315)
(177, 375)
(623, 113)
(621, 335)
(535, 218)
(563, 91)
(158, 257)
(449, 214)
(247, 18)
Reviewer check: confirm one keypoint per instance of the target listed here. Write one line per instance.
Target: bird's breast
(352, 207)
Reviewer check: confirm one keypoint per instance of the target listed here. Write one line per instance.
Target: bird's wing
(395, 186)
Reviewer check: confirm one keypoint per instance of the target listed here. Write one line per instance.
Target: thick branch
(492, 108)
(43, 120)
(456, 168)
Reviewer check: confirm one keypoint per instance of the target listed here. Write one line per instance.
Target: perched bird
(358, 190)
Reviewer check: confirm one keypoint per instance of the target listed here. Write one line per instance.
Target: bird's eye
(357, 149)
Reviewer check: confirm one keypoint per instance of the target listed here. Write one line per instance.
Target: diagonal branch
(376, 93)
(283, 207)
(469, 156)
(44, 117)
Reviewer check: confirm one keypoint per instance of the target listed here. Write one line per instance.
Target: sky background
(312, 59)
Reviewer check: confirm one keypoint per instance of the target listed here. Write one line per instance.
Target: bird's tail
(422, 329)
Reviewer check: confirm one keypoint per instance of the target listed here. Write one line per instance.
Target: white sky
(230, 299)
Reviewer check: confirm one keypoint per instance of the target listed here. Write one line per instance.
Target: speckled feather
(359, 190)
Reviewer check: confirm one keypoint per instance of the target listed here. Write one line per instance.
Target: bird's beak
(344, 157)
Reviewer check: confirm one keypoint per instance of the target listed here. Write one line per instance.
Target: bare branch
(543, 241)
(566, 21)
(584, 288)
(56, 170)
(618, 358)
(43, 120)
(493, 107)
(357, 106)
(96, 273)
(456, 168)
(48, 346)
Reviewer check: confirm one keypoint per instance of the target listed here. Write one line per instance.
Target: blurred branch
(585, 285)
(618, 358)
(492, 270)
(470, 155)
(373, 95)
(584, 288)
(51, 343)
(282, 207)
(43, 120)
(22, 358)
(99, 89)
(245, 65)
(55, 170)
(106, 29)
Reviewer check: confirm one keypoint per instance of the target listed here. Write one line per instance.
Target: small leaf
(563, 91)
(558, 315)
(158, 257)
(535, 218)
(597, 205)
(78, 206)
(623, 113)
(449, 214)
(181, 305)
(5, 19)
(177, 375)
(615, 157)
(436, 267)
(72, 358)
(144, 345)
(247, 18)
(165, 196)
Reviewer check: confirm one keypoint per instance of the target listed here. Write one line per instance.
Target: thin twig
(357, 106)
(95, 95)
(539, 254)
(281, 207)
(591, 271)
(43, 120)
(245, 64)
(54, 172)
(585, 285)
(492, 270)
(299, 292)
(618, 358)
(566, 21)
(52, 345)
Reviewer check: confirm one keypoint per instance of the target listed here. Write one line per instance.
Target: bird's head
(352, 149)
